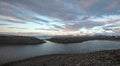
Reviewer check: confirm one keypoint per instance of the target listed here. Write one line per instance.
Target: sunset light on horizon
(59, 17)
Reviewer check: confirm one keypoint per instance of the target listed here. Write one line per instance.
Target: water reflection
(17, 52)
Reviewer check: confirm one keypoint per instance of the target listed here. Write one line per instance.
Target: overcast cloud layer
(60, 17)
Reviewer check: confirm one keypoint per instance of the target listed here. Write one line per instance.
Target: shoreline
(80, 39)
(20, 40)
(98, 58)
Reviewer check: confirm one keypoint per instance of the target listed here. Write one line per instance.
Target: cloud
(113, 5)
(4, 24)
(17, 28)
(117, 30)
(11, 19)
(39, 19)
(60, 15)
(47, 29)
(113, 20)
(114, 27)
(85, 18)
(106, 18)
(57, 26)
(85, 4)
(77, 26)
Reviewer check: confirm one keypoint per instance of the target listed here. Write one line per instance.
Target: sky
(59, 17)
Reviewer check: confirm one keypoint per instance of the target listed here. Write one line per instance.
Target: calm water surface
(18, 52)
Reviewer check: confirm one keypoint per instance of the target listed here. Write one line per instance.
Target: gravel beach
(99, 58)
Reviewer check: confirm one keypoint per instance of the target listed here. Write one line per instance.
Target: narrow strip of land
(19, 40)
(78, 39)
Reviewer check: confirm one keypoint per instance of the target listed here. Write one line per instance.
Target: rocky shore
(100, 58)
(19, 40)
